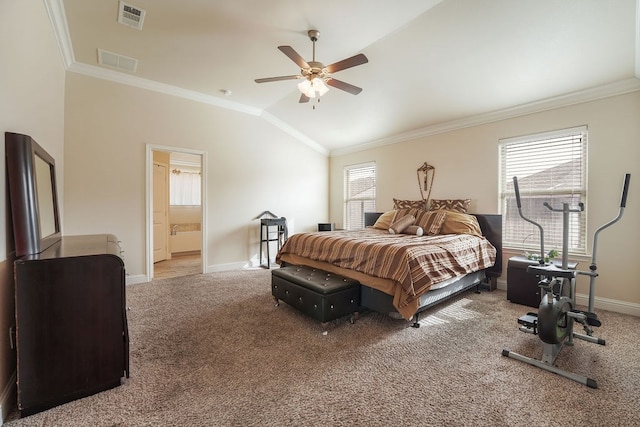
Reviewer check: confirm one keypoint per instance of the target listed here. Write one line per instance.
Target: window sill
(510, 251)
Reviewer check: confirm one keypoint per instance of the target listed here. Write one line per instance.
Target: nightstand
(326, 226)
(522, 287)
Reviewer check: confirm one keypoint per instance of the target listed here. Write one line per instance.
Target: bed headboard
(370, 218)
(490, 224)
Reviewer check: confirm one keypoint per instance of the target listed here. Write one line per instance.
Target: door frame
(167, 253)
(150, 148)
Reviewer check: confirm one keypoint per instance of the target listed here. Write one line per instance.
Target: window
(551, 168)
(360, 194)
(184, 187)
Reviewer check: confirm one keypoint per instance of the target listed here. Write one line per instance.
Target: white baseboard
(7, 397)
(609, 304)
(230, 266)
(142, 278)
(134, 280)
(617, 306)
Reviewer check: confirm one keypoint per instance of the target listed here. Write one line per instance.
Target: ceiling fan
(315, 75)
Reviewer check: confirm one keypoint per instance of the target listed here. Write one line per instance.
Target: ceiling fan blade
(303, 98)
(277, 79)
(339, 84)
(294, 56)
(358, 59)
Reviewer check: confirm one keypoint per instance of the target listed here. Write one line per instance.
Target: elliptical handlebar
(623, 202)
(593, 268)
(517, 190)
(625, 190)
(519, 204)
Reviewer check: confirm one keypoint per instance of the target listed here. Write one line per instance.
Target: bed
(403, 274)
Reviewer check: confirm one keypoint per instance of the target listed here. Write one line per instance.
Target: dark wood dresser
(71, 326)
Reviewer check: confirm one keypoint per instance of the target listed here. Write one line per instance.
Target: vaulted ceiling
(433, 64)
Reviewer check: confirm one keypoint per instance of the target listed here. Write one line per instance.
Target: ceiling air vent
(117, 61)
(130, 15)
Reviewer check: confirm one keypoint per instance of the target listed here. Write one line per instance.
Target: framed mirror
(33, 194)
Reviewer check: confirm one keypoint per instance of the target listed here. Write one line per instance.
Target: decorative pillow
(401, 224)
(384, 221)
(414, 229)
(458, 205)
(460, 223)
(404, 212)
(431, 221)
(403, 204)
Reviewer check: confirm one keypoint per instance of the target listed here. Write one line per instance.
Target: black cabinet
(522, 287)
(71, 328)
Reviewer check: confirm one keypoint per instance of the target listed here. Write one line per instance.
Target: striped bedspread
(414, 262)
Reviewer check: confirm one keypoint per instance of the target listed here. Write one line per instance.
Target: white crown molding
(618, 88)
(122, 78)
(58, 18)
(127, 79)
(57, 15)
(294, 132)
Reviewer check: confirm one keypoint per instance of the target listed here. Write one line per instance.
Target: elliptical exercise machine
(557, 311)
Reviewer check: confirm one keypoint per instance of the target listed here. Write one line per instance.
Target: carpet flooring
(214, 350)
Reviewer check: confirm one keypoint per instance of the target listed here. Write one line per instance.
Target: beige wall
(185, 214)
(99, 146)
(466, 163)
(251, 167)
(31, 102)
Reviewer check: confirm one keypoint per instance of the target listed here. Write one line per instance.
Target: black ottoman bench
(322, 295)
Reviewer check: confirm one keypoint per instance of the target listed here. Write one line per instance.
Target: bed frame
(491, 226)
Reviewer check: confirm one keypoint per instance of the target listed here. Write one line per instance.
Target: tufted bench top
(316, 280)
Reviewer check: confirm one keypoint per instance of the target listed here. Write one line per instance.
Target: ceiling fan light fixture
(315, 75)
(306, 88)
(312, 87)
(319, 86)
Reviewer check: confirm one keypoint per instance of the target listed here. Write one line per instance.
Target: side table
(522, 287)
(268, 235)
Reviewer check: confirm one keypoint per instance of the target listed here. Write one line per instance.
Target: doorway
(176, 226)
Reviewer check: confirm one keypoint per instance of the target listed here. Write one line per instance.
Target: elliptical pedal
(529, 323)
(590, 318)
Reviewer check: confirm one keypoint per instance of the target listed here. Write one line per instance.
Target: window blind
(360, 194)
(551, 167)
